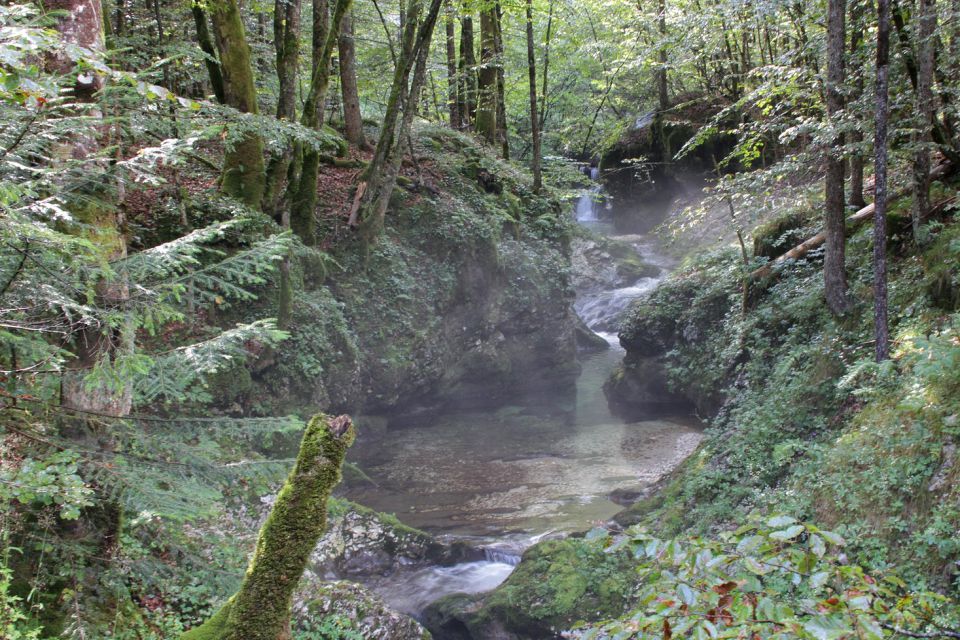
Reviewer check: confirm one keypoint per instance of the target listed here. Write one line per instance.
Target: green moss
(260, 610)
(558, 583)
(775, 237)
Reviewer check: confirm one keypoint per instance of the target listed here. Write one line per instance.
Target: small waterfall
(595, 173)
(502, 556)
(587, 205)
(602, 311)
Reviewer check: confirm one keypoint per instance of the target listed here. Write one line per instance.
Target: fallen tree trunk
(864, 214)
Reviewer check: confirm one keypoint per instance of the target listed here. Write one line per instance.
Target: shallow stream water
(508, 477)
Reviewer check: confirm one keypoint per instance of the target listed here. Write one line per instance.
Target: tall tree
(205, 41)
(856, 136)
(882, 111)
(304, 188)
(834, 264)
(467, 71)
(501, 86)
(534, 118)
(243, 175)
(80, 23)
(286, 42)
(663, 97)
(352, 118)
(546, 67)
(379, 180)
(453, 97)
(487, 78)
(926, 115)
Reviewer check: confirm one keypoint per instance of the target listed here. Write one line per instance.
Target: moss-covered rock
(558, 583)
(362, 542)
(775, 237)
(348, 611)
(639, 389)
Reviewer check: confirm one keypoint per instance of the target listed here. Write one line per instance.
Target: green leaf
(780, 521)
(788, 534)
(687, 595)
(819, 579)
(827, 627)
(833, 538)
(817, 546)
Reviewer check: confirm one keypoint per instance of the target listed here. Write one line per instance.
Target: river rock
(599, 263)
(639, 389)
(361, 542)
(589, 340)
(346, 607)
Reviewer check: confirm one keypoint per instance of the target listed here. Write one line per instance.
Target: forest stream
(508, 477)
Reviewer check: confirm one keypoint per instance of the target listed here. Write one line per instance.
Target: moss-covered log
(260, 610)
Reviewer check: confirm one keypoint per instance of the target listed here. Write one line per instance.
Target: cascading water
(602, 310)
(586, 210)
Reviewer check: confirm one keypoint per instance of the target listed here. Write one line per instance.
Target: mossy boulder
(351, 612)
(362, 542)
(558, 583)
(638, 389)
(587, 339)
(599, 263)
(775, 237)
(679, 320)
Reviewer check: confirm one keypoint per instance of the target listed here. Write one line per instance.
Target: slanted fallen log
(857, 218)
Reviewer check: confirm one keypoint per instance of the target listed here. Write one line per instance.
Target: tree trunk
(834, 264)
(260, 610)
(352, 118)
(501, 83)
(205, 40)
(453, 98)
(662, 94)
(546, 68)
(856, 137)
(468, 72)
(80, 23)
(286, 42)
(380, 178)
(304, 200)
(243, 174)
(487, 98)
(881, 328)
(926, 28)
(534, 119)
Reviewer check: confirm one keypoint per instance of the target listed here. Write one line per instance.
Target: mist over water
(509, 476)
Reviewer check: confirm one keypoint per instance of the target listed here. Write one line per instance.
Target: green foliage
(805, 420)
(333, 627)
(50, 480)
(771, 578)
